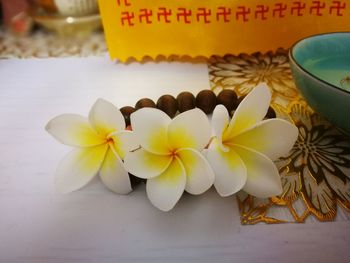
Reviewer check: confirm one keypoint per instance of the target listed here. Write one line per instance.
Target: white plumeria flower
(169, 156)
(244, 148)
(101, 142)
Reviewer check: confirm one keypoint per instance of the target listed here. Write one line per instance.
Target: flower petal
(250, 111)
(199, 175)
(79, 167)
(73, 130)
(263, 179)
(146, 165)
(165, 190)
(124, 142)
(220, 121)
(150, 128)
(273, 138)
(230, 171)
(190, 129)
(106, 118)
(113, 174)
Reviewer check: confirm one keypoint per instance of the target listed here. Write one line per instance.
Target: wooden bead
(186, 101)
(228, 98)
(145, 103)
(270, 113)
(126, 111)
(206, 101)
(135, 181)
(168, 104)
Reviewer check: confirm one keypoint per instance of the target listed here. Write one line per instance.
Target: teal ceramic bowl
(321, 69)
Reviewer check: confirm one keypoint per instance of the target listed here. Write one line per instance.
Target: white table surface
(94, 225)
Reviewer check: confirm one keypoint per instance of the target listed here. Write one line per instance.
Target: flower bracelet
(177, 152)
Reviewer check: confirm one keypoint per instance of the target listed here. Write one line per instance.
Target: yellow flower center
(173, 153)
(110, 140)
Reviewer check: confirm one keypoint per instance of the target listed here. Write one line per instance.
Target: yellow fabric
(265, 26)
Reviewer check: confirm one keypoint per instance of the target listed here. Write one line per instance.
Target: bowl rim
(39, 14)
(293, 59)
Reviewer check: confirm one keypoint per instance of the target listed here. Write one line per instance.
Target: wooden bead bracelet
(206, 100)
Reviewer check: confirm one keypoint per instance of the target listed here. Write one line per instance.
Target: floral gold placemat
(316, 173)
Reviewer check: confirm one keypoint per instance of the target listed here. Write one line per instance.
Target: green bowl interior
(326, 57)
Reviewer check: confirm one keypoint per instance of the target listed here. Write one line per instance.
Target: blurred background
(50, 28)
